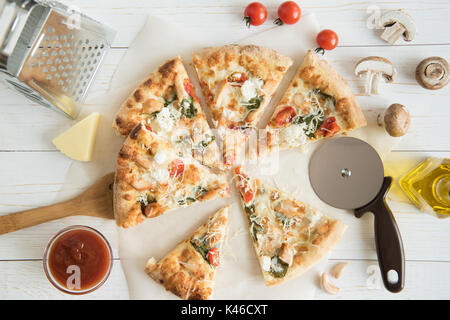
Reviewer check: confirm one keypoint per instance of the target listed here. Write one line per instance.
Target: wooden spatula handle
(95, 201)
(32, 217)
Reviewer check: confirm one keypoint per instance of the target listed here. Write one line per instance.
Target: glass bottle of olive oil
(428, 186)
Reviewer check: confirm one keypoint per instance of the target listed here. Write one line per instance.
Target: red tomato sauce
(81, 248)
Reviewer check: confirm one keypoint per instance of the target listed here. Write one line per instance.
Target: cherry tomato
(189, 88)
(255, 14)
(328, 128)
(237, 79)
(213, 257)
(327, 39)
(285, 116)
(289, 13)
(247, 194)
(176, 168)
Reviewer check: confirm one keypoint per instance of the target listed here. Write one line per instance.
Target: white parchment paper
(239, 276)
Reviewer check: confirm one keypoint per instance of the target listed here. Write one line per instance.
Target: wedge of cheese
(78, 141)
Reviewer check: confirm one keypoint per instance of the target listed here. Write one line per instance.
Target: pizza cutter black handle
(387, 238)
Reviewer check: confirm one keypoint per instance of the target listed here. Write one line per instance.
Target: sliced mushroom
(432, 73)
(395, 120)
(326, 284)
(375, 68)
(397, 24)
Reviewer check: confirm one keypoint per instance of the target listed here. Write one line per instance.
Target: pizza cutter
(347, 173)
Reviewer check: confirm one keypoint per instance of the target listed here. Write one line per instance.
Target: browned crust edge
(337, 230)
(324, 77)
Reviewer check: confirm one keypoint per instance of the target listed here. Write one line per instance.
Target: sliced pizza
(151, 178)
(238, 83)
(288, 235)
(188, 271)
(317, 104)
(167, 102)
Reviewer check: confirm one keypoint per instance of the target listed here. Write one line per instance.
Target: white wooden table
(32, 171)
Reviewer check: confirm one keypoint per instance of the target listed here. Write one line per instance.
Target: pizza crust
(135, 165)
(127, 211)
(309, 259)
(163, 94)
(129, 114)
(184, 271)
(285, 229)
(324, 77)
(260, 61)
(175, 278)
(214, 65)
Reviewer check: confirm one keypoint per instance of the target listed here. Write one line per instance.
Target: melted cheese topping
(274, 229)
(160, 157)
(250, 88)
(164, 120)
(266, 263)
(160, 174)
(176, 191)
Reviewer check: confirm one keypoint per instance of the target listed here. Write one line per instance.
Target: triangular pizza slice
(188, 271)
(288, 235)
(238, 83)
(167, 102)
(151, 178)
(317, 104)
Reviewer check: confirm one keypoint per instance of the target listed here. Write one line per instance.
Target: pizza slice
(188, 271)
(317, 104)
(167, 102)
(288, 236)
(238, 83)
(151, 178)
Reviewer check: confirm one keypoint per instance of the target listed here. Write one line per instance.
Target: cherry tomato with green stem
(326, 40)
(255, 14)
(288, 13)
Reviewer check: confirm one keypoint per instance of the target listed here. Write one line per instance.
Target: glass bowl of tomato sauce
(78, 260)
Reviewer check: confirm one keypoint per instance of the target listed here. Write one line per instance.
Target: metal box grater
(50, 52)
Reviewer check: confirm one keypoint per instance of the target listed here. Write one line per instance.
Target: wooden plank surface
(33, 171)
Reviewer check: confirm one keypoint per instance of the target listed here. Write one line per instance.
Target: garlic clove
(326, 284)
(337, 270)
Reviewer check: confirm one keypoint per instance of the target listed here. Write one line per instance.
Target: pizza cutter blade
(347, 173)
